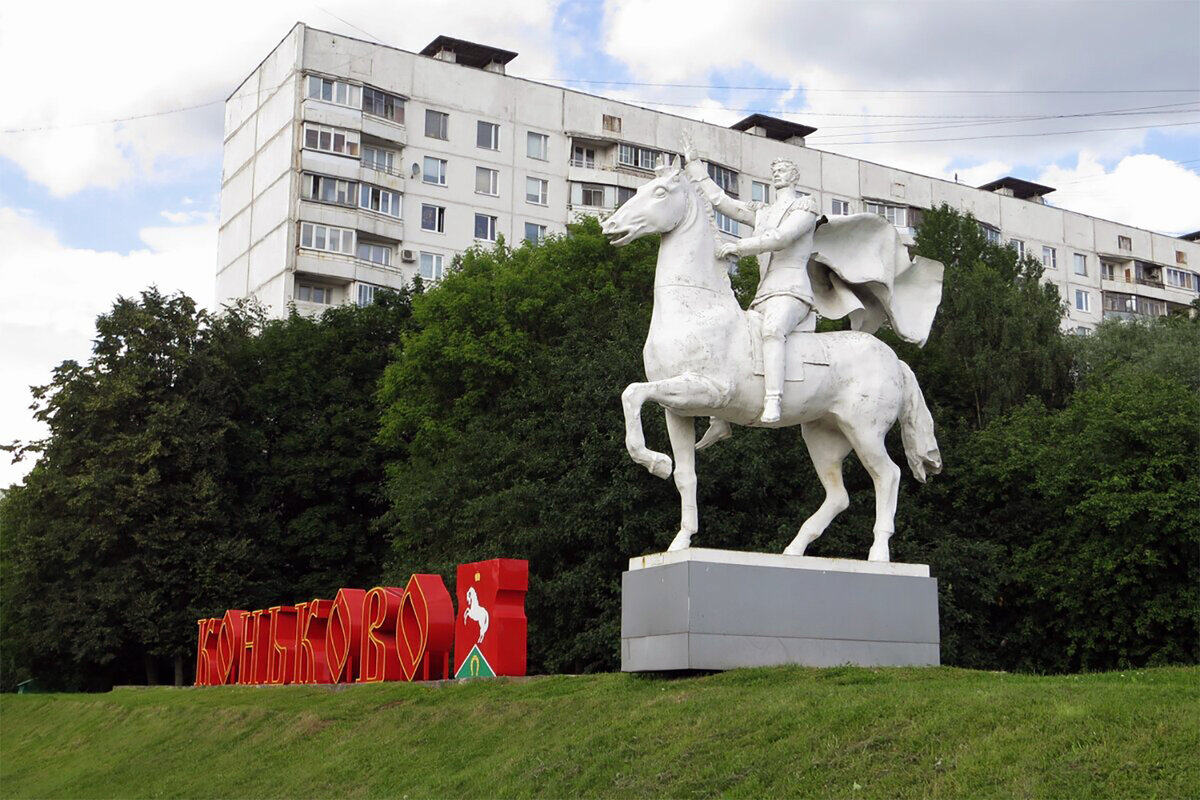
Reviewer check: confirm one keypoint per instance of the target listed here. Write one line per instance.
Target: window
(331, 91)
(430, 266)
(434, 171)
(592, 195)
(610, 123)
(1083, 300)
(537, 145)
(366, 293)
(487, 181)
(331, 140)
(433, 218)
(537, 191)
(485, 227)
(727, 179)
(1180, 257)
(375, 253)
(1151, 308)
(384, 105)
(629, 155)
(1121, 303)
(1180, 279)
(897, 215)
(1018, 245)
(437, 124)
(840, 208)
(624, 194)
(487, 135)
(1110, 271)
(990, 233)
(1124, 243)
(385, 201)
(324, 237)
(760, 192)
(329, 190)
(726, 224)
(1080, 264)
(308, 293)
(1049, 258)
(535, 233)
(583, 156)
(380, 159)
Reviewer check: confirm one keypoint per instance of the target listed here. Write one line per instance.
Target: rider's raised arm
(738, 209)
(800, 221)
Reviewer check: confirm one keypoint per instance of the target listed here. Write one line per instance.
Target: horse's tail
(916, 429)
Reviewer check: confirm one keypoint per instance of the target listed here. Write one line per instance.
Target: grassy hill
(845, 732)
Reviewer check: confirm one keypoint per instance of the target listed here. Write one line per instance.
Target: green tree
(308, 479)
(120, 535)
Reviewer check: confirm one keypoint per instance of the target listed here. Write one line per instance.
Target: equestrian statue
(707, 357)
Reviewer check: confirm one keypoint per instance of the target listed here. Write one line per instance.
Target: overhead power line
(808, 89)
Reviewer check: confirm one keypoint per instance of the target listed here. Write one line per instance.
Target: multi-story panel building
(350, 166)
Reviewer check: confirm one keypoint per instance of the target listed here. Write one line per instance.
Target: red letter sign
(343, 637)
(312, 619)
(426, 630)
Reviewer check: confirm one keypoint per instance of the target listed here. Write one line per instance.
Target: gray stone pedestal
(720, 609)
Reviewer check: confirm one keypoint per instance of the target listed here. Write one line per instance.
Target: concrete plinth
(720, 609)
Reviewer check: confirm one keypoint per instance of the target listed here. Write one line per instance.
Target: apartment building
(350, 166)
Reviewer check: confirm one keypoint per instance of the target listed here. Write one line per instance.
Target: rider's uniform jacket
(783, 240)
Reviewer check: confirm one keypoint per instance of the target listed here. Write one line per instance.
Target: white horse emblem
(476, 612)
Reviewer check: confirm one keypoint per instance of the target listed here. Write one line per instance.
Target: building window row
(331, 140)
(897, 215)
(338, 191)
(629, 155)
(333, 91)
(598, 195)
(326, 238)
(381, 104)
(312, 293)
(370, 101)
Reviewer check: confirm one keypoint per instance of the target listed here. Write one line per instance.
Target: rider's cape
(861, 269)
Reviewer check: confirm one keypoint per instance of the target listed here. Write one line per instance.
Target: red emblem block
(490, 629)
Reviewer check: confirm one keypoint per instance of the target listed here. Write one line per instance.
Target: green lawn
(844, 732)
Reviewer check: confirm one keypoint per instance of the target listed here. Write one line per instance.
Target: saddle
(802, 348)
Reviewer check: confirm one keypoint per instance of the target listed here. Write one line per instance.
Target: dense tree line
(198, 462)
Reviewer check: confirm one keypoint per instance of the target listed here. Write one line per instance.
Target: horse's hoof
(879, 554)
(682, 541)
(794, 550)
(660, 466)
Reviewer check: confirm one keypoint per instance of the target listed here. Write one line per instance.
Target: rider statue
(784, 238)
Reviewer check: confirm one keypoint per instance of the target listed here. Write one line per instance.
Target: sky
(111, 128)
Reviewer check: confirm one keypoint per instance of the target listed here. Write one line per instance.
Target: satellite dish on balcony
(416, 169)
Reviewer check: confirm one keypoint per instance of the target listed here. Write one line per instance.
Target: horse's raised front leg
(682, 393)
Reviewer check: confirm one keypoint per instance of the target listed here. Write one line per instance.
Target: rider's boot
(773, 366)
(771, 408)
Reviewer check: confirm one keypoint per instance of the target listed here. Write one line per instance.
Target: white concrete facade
(553, 154)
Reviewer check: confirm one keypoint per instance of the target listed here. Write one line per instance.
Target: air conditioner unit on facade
(408, 255)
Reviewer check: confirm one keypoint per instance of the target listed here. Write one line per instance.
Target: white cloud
(54, 294)
(1141, 190)
(125, 59)
(842, 55)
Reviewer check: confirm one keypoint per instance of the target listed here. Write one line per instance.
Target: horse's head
(472, 597)
(658, 207)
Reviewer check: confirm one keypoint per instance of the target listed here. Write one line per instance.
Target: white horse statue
(700, 357)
